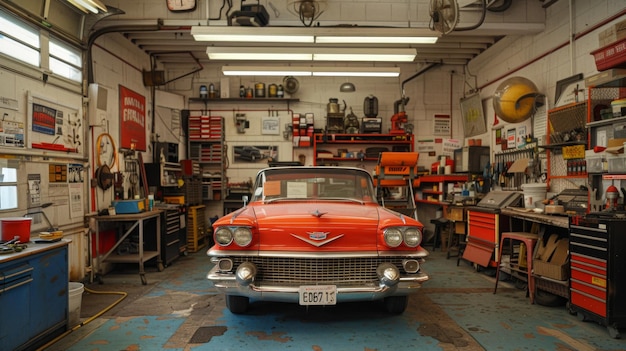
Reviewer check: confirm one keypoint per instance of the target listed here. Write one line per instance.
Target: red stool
(529, 240)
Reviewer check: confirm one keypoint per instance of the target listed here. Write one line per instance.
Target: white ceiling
(166, 36)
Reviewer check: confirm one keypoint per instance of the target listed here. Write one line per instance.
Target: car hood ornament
(317, 213)
(317, 239)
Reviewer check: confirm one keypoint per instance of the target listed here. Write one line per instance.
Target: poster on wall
(52, 125)
(442, 126)
(473, 116)
(132, 120)
(44, 119)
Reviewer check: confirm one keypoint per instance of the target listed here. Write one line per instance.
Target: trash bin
(75, 300)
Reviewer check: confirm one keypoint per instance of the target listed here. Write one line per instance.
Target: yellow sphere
(514, 99)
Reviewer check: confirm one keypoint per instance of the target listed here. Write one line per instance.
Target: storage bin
(611, 56)
(617, 164)
(595, 163)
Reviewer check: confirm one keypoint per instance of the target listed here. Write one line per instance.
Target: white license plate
(318, 295)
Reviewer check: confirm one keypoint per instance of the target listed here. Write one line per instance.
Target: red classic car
(316, 236)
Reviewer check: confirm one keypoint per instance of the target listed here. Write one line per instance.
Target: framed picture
(254, 155)
(473, 116)
(568, 90)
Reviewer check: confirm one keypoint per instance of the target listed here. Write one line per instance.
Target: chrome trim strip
(420, 253)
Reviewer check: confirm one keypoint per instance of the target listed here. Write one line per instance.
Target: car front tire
(237, 304)
(396, 304)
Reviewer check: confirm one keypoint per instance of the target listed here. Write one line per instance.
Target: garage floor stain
(457, 310)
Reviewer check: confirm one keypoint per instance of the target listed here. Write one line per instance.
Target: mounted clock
(181, 5)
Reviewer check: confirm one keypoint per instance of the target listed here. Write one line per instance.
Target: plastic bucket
(15, 226)
(533, 192)
(75, 301)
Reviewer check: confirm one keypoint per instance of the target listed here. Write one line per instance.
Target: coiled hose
(90, 319)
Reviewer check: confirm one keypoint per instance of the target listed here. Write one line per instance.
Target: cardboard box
(551, 258)
(454, 213)
(613, 33)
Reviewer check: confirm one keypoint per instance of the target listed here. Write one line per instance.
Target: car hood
(325, 226)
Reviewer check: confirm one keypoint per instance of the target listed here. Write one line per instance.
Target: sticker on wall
(270, 125)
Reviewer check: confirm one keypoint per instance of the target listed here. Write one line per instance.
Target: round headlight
(393, 237)
(242, 236)
(223, 236)
(412, 237)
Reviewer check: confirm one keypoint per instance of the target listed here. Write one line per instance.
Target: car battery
(371, 125)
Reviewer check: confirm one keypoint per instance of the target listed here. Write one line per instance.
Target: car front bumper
(246, 284)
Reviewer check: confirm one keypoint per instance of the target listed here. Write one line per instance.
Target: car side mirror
(245, 200)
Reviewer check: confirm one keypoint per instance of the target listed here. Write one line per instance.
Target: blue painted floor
(455, 310)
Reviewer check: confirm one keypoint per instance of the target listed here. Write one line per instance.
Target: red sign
(132, 120)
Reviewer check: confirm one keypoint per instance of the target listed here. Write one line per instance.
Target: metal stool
(529, 240)
(439, 224)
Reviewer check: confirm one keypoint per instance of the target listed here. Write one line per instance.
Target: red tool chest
(598, 261)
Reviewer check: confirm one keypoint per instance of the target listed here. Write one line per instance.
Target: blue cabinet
(33, 296)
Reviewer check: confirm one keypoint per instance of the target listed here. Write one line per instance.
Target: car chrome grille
(300, 271)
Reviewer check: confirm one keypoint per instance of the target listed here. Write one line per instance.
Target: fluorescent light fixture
(308, 54)
(276, 54)
(349, 54)
(265, 71)
(320, 35)
(325, 35)
(88, 5)
(244, 34)
(380, 72)
(374, 40)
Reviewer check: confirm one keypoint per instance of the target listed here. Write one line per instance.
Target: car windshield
(313, 183)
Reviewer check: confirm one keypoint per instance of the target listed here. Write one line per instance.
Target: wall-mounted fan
(444, 15)
(291, 84)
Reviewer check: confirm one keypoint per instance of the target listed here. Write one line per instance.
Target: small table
(137, 220)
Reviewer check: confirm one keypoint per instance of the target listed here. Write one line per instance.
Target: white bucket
(75, 300)
(533, 192)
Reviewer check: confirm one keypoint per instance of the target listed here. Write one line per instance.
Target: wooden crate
(196, 228)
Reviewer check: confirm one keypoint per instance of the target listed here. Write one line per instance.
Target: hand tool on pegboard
(144, 179)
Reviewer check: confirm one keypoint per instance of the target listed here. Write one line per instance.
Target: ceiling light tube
(380, 72)
(279, 71)
(86, 4)
(242, 53)
(315, 54)
(78, 6)
(265, 71)
(375, 36)
(374, 40)
(98, 4)
(251, 34)
(388, 55)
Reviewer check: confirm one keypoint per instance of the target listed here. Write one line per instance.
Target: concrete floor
(455, 310)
